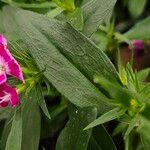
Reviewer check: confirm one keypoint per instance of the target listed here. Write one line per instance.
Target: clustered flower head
(8, 66)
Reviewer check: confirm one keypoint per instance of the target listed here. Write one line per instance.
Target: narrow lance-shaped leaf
(42, 103)
(64, 53)
(31, 122)
(131, 126)
(94, 13)
(15, 136)
(79, 50)
(140, 31)
(144, 131)
(136, 7)
(2, 29)
(8, 18)
(73, 136)
(76, 47)
(111, 115)
(74, 18)
(144, 94)
(143, 74)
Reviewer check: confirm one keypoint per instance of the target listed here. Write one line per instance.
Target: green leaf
(136, 7)
(119, 129)
(2, 29)
(94, 13)
(51, 127)
(145, 111)
(86, 56)
(118, 93)
(81, 2)
(55, 12)
(101, 140)
(15, 136)
(4, 113)
(31, 6)
(129, 142)
(144, 131)
(132, 79)
(6, 131)
(143, 74)
(73, 136)
(31, 122)
(143, 33)
(74, 18)
(111, 115)
(8, 22)
(144, 94)
(93, 144)
(131, 126)
(38, 7)
(42, 103)
(68, 65)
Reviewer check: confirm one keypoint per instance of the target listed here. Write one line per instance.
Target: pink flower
(138, 44)
(3, 41)
(138, 47)
(8, 96)
(8, 64)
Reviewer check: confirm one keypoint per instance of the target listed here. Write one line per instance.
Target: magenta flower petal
(8, 64)
(8, 95)
(5, 54)
(138, 44)
(3, 101)
(4, 104)
(3, 41)
(3, 78)
(14, 69)
(138, 47)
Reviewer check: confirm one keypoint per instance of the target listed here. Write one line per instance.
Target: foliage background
(67, 84)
